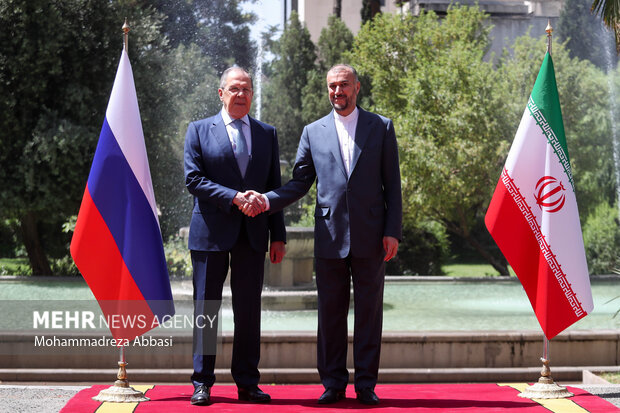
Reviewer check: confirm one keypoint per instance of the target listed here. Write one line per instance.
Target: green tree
(369, 9)
(334, 41)
(601, 237)
(219, 27)
(295, 55)
(610, 12)
(429, 76)
(55, 82)
(54, 90)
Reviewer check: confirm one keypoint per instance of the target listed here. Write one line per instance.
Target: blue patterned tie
(241, 147)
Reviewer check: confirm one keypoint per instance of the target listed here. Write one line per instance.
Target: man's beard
(340, 106)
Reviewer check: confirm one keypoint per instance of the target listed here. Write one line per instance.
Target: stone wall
(290, 357)
(297, 267)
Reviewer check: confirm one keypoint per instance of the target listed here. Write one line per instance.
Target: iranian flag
(533, 215)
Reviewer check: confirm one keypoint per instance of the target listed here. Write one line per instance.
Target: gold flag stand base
(545, 388)
(121, 392)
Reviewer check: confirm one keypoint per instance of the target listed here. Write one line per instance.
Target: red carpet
(479, 398)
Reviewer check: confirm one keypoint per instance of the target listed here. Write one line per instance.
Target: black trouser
(333, 279)
(246, 282)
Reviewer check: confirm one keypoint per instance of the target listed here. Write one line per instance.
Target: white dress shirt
(231, 130)
(345, 127)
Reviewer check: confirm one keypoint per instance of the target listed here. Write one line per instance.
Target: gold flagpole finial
(549, 30)
(126, 35)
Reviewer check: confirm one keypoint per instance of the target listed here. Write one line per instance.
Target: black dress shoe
(201, 396)
(253, 394)
(367, 396)
(331, 396)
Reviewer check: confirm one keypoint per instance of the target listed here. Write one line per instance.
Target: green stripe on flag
(544, 106)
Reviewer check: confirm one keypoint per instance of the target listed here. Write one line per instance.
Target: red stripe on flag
(97, 257)
(515, 238)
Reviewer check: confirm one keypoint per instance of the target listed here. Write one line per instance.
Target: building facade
(314, 13)
(509, 18)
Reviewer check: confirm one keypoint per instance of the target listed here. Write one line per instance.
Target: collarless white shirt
(345, 127)
(231, 130)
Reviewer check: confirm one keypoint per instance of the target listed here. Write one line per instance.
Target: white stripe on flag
(123, 116)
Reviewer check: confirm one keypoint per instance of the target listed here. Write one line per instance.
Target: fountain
(439, 330)
(410, 303)
(610, 60)
(258, 80)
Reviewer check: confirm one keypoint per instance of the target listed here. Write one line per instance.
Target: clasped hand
(251, 203)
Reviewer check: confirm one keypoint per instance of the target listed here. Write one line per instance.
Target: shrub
(178, 257)
(601, 237)
(422, 251)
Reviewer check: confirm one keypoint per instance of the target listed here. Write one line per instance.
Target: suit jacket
(213, 177)
(353, 213)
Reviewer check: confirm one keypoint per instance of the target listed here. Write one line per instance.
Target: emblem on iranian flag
(533, 214)
(550, 194)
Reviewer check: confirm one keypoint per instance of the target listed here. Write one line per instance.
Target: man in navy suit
(353, 156)
(226, 155)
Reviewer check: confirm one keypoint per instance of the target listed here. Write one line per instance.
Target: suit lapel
(332, 141)
(257, 157)
(218, 130)
(362, 131)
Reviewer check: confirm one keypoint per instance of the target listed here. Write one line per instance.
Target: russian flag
(117, 243)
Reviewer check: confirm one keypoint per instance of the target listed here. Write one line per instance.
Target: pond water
(408, 306)
(421, 306)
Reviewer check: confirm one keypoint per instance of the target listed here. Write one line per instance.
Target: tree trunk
(462, 230)
(500, 266)
(30, 235)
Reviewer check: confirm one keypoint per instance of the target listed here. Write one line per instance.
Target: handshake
(251, 203)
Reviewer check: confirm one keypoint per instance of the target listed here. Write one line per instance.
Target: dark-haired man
(353, 156)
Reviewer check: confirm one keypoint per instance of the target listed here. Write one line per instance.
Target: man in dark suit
(226, 155)
(353, 156)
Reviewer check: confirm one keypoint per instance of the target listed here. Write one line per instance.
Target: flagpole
(126, 29)
(121, 391)
(546, 388)
(546, 372)
(549, 30)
